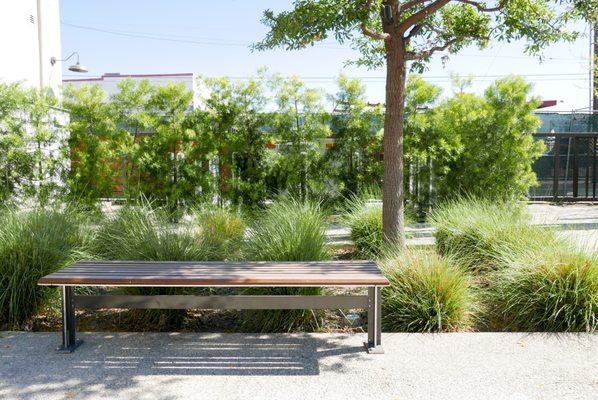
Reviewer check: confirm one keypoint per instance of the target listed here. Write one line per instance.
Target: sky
(212, 38)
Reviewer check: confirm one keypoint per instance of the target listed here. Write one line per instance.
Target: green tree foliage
(236, 122)
(493, 141)
(404, 33)
(30, 143)
(423, 145)
(131, 106)
(167, 173)
(300, 127)
(96, 145)
(354, 158)
(15, 164)
(48, 140)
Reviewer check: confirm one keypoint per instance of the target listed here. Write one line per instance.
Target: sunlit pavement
(300, 366)
(577, 222)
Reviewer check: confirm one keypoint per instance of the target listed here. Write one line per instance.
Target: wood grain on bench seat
(218, 273)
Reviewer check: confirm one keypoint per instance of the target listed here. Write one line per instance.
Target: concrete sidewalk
(577, 222)
(300, 366)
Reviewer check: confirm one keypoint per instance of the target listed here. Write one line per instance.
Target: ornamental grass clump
(288, 230)
(427, 293)
(477, 231)
(553, 289)
(142, 232)
(222, 230)
(363, 216)
(34, 243)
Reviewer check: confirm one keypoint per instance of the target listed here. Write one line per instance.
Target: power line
(177, 38)
(240, 43)
(544, 76)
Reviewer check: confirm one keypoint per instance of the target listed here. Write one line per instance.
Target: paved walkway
(577, 222)
(300, 366)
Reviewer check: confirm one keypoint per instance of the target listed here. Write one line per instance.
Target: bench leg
(373, 345)
(69, 340)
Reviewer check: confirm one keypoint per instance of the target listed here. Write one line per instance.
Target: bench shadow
(109, 362)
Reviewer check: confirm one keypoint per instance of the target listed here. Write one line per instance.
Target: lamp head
(78, 68)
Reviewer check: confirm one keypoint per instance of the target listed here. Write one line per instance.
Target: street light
(75, 67)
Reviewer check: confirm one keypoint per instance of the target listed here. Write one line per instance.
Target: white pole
(40, 43)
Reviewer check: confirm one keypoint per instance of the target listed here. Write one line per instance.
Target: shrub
(364, 219)
(552, 289)
(363, 216)
(142, 232)
(35, 243)
(289, 230)
(427, 293)
(221, 230)
(477, 231)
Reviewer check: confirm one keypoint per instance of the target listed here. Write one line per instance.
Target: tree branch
(373, 34)
(482, 7)
(410, 4)
(420, 55)
(368, 31)
(413, 32)
(421, 14)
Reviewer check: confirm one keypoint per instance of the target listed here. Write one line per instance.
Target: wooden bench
(219, 274)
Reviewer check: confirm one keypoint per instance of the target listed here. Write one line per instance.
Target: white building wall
(109, 82)
(30, 36)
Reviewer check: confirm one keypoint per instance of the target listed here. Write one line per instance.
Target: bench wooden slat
(218, 273)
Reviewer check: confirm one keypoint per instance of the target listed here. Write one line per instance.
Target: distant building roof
(124, 76)
(547, 103)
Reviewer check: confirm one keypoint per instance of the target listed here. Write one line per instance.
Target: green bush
(427, 293)
(34, 243)
(142, 232)
(478, 231)
(364, 219)
(551, 289)
(221, 230)
(289, 230)
(363, 216)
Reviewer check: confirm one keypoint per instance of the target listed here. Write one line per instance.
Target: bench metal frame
(371, 302)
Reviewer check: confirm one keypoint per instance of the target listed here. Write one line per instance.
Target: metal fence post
(557, 168)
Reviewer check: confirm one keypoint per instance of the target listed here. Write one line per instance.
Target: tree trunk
(393, 223)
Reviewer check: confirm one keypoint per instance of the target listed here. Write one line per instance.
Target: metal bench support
(372, 302)
(373, 345)
(69, 340)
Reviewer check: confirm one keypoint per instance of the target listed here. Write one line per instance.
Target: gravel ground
(173, 366)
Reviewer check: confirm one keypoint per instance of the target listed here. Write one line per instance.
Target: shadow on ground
(107, 362)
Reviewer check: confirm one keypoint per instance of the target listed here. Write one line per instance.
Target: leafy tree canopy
(426, 26)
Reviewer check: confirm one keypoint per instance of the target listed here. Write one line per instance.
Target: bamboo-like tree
(300, 126)
(397, 33)
(15, 163)
(95, 145)
(355, 125)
